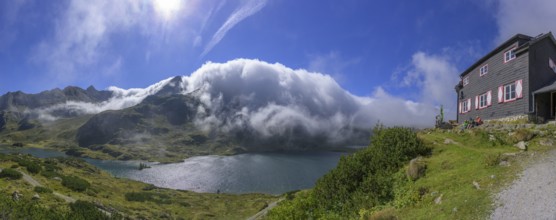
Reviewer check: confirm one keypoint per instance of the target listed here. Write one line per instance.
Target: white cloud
(273, 100)
(121, 98)
(526, 17)
(434, 78)
(248, 8)
(80, 36)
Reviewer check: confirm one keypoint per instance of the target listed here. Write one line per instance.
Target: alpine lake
(271, 173)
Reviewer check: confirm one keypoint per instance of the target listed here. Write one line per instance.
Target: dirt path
(263, 212)
(533, 195)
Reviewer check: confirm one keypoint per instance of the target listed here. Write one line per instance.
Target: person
(478, 121)
(465, 125)
(470, 123)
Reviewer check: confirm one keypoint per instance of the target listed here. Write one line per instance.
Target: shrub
(360, 181)
(33, 167)
(148, 196)
(50, 174)
(493, 159)
(10, 173)
(521, 135)
(41, 189)
(75, 183)
(87, 210)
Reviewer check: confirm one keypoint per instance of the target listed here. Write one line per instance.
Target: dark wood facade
(508, 86)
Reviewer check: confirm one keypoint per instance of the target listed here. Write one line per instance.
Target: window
(483, 70)
(483, 101)
(509, 55)
(509, 92)
(465, 81)
(465, 107)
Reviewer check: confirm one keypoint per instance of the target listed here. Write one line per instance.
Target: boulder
(416, 168)
(36, 197)
(522, 145)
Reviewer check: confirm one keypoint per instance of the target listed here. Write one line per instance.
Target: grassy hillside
(69, 187)
(458, 178)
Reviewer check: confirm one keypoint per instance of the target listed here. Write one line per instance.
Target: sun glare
(167, 8)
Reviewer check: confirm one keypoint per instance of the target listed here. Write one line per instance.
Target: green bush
(86, 210)
(10, 173)
(50, 174)
(75, 183)
(26, 210)
(33, 168)
(148, 196)
(362, 180)
(41, 189)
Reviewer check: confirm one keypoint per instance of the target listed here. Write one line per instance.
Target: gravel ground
(533, 195)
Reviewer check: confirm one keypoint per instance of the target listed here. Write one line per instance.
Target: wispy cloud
(80, 37)
(247, 9)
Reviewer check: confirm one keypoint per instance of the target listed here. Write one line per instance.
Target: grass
(111, 191)
(463, 175)
(453, 168)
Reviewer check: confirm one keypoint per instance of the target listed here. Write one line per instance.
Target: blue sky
(408, 49)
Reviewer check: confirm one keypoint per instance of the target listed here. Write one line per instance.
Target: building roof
(551, 87)
(496, 50)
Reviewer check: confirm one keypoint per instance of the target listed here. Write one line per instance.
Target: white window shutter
(468, 105)
(500, 94)
(460, 104)
(519, 88)
(489, 98)
(476, 102)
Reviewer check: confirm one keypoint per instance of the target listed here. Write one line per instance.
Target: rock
(546, 142)
(16, 195)
(36, 197)
(476, 184)
(492, 176)
(509, 154)
(57, 178)
(491, 137)
(449, 141)
(438, 200)
(521, 145)
(504, 163)
(416, 168)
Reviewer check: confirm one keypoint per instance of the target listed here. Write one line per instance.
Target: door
(552, 104)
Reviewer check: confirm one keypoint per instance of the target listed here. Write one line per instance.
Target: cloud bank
(273, 100)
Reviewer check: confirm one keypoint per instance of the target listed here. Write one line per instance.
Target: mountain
(234, 107)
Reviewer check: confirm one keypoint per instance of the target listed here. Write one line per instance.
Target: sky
(408, 50)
